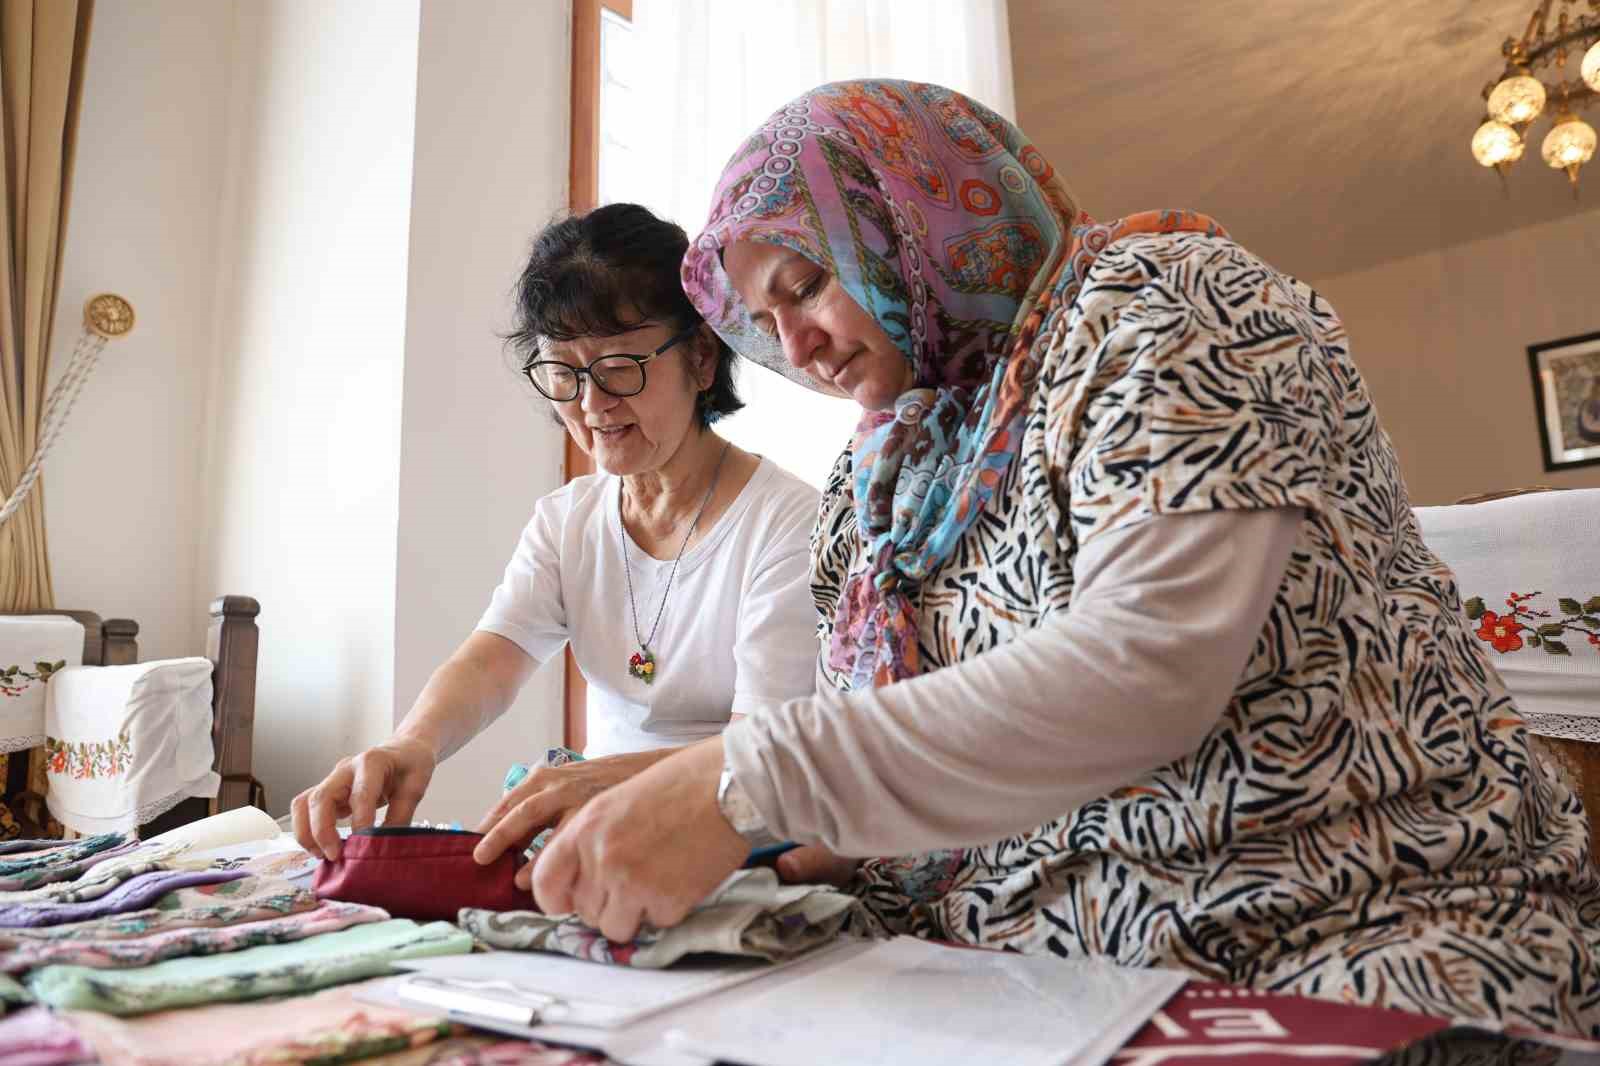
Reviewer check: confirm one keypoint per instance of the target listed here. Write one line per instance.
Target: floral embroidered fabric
(1526, 624)
(86, 760)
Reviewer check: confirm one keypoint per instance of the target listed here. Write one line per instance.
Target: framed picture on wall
(1566, 393)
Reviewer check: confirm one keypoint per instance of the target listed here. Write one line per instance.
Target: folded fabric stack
(108, 924)
(146, 954)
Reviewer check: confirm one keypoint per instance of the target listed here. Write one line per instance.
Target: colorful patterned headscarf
(945, 224)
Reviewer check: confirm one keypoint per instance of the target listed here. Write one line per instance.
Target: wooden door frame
(583, 185)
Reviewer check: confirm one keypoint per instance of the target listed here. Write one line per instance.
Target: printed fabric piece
(286, 865)
(751, 913)
(325, 1027)
(333, 958)
(14, 847)
(132, 894)
(476, 1050)
(36, 1037)
(118, 953)
(359, 1041)
(60, 863)
(104, 875)
(426, 874)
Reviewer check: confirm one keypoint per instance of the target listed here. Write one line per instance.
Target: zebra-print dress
(1366, 821)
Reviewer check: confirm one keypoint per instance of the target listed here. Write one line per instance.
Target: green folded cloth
(12, 994)
(330, 959)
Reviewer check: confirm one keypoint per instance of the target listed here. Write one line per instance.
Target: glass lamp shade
(1516, 100)
(1590, 70)
(1569, 143)
(1496, 143)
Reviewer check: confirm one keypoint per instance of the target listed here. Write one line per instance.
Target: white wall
(700, 75)
(245, 178)
(303, 440)
(476, 448)
(122, 488)
(1442, 341)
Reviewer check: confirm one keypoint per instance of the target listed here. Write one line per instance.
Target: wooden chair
(232, 642)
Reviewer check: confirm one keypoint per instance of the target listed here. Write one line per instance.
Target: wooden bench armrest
(232, 642)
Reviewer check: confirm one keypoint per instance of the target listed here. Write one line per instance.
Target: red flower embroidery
(1501, 631)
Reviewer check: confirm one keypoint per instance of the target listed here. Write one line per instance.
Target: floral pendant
(642, 664)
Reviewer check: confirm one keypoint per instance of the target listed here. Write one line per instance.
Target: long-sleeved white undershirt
(1133, 675)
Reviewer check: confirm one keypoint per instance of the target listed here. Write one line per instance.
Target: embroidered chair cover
(1528, 568)
(127, 743)
(30, 647)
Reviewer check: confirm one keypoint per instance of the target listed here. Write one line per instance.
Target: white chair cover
(1529, 572)
(25, 642)
(127, 743)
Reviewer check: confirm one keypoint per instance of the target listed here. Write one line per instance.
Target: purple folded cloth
(133, 894)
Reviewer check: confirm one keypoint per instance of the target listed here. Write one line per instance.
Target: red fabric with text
(425, 874)
(1208, 1024)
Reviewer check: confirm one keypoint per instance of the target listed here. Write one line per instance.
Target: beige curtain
(42, 48)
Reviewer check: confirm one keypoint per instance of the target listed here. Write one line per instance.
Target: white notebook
(869, 1003)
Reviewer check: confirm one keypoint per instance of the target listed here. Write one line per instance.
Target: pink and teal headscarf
(946, 225)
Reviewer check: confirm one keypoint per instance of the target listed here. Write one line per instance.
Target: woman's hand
(548, 797)
(395, 772)
(646, 850)
(813, 864)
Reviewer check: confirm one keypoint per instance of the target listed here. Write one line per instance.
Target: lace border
(135, 818)
(1564, 726)
(11, 744)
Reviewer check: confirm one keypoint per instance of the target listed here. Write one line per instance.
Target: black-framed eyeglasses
(618, 375)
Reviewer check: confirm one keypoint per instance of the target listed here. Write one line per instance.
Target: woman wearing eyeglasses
(677, 572)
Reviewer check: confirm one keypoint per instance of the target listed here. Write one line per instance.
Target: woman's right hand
(395, 772)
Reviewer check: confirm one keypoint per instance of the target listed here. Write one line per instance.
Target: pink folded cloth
(332, 1025)
(36, 1037)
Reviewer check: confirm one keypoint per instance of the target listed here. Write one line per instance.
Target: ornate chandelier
(1521, 96)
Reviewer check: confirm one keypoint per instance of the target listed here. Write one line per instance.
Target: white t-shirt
(738, 634)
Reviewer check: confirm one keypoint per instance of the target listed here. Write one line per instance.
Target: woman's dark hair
(608, 272)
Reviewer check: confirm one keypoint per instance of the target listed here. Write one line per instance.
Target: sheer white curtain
(693, 77)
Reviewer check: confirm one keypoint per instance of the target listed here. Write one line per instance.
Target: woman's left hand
(647, 850)
(547, 798)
